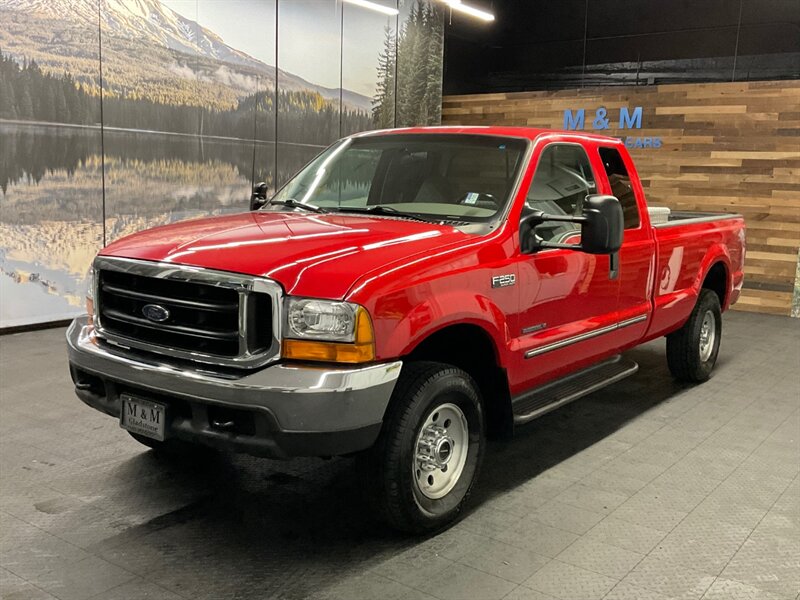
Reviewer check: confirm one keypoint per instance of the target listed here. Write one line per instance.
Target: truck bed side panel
(684, 254)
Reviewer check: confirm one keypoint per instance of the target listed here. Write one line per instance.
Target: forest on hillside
(28, 93)
(408, 92)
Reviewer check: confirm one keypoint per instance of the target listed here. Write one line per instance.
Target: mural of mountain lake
(51, 200)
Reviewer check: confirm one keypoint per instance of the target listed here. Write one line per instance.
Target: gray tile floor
(646, 490)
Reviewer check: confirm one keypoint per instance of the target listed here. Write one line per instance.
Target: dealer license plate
(143, 417)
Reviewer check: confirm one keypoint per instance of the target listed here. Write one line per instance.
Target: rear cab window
(621, 187)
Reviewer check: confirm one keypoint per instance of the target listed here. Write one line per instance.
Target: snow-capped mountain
(143, 20)
(150, 23)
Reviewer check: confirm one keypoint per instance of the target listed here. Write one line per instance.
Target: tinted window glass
(562, 181)
(621, 185)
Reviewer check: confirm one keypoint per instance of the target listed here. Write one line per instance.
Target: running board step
(562, 391)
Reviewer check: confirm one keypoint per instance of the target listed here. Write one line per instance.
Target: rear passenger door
(567, 297)
(637, 256)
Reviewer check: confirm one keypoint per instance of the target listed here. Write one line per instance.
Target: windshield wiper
(382, 209)
(292, 203)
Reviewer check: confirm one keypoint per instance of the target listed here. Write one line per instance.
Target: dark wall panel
(559, 45)
(769, 40)
(613, 18)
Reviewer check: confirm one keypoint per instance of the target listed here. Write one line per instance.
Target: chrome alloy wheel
(441, 451)
(708, 334)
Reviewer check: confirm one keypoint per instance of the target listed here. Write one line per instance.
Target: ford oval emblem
(155, 312)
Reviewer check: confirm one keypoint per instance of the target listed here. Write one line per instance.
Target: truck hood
(316, 255)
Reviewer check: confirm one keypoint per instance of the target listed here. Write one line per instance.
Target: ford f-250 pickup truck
(405, 294)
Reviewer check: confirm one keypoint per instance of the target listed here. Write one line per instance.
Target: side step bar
(562, 391)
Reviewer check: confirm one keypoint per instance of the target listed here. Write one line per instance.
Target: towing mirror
(259, 196)
(601, 232)
(602, 225)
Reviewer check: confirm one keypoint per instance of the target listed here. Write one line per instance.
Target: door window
(621, 185)
(562, 181)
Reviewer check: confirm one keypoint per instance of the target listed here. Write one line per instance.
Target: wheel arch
(717, 279)
(472, 348)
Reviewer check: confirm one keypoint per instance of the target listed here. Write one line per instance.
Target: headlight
(327, 330)
(321, 320)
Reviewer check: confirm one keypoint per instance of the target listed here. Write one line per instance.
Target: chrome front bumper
(296, 410)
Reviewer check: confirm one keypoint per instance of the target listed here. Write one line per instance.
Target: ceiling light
(457, 5)
(375, 6)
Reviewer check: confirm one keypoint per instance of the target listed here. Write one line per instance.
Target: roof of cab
(530, 133)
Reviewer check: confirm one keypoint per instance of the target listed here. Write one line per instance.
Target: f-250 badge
(504, 280)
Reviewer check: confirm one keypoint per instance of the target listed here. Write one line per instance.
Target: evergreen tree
(419, 66)
(383, 103)
(46, 111)
(7, 108)
(72, 101)
(406, 59)
(433, 67)
(61, 113)
(419, 60)
(25, 103)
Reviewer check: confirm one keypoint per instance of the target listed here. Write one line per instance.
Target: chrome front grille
(190, 313)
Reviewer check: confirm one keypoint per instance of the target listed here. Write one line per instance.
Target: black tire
(171, 447)
(686, 357)
(394, 460)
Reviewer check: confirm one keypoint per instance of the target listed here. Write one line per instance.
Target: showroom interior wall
(119, 115)
(717, 84)
(722, 147)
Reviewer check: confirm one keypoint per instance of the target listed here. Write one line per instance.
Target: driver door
(567, 297)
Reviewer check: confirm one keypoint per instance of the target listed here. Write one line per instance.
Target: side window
(621, 185)
(562, 180)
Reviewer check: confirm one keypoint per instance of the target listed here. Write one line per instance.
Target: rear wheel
(692, 350)
(429, 453)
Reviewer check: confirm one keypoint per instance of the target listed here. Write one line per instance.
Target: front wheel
(692, 350)
(429, 452)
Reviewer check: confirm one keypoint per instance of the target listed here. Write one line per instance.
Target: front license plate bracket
(143, 417)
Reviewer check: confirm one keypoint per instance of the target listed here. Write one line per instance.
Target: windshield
(431, 176)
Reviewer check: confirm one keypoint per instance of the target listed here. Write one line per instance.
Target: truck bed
(686, 245)
(687, 217)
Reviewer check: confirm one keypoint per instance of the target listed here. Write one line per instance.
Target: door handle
(613, 265)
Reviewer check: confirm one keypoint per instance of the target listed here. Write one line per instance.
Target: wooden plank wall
(727, 147)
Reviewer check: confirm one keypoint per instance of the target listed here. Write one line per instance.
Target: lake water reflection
(52, 200)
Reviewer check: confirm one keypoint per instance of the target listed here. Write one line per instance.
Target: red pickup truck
(405, 294)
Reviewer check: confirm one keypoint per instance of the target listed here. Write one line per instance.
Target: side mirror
(602, 225)
(259, 197)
